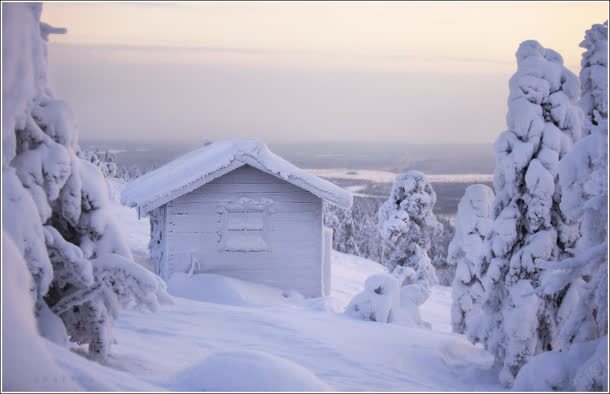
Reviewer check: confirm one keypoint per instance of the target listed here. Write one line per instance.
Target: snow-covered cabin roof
(196, 168)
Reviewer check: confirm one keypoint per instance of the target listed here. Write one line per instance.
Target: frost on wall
(472, 225)
(543, 122)
(56, 204)
(594, 76)
(407, 225)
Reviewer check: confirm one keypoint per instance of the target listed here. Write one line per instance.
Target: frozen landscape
(235, 264)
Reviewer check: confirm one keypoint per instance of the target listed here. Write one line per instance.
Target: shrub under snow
(382, 300)
(56, 204)
(379, 301)
(407, 225)
(472, 225)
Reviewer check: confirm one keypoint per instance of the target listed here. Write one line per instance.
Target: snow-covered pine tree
(439, 245)
(407, 225)
(105, 161)
(56, 204)
(364, 212)
(543, 122)
(594, 76)
(582, 278)
(472, 225)
(344, 230)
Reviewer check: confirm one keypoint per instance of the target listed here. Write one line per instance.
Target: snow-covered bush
(407, 225)
(379, 301)
(472, 225)
(543, 121)
(594, 76)
(411, 298)
(382, 300)
(55, 204)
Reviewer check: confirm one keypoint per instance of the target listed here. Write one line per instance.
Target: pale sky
(422, 72)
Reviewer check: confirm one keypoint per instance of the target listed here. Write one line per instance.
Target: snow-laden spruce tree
(55, 204)
(582, 278)
(594, 76)
(583, 177)
(407, 225)
(543, 121)
(344, 231)
(472, 225)
(439, 245)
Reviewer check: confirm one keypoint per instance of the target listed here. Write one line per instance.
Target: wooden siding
(293, 231)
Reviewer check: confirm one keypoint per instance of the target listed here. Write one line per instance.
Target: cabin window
(243, 225)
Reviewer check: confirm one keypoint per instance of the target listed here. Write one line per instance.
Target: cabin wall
(197, 227)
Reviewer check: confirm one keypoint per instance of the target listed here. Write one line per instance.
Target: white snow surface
(247, 371)
(211, 161)
(305, 344)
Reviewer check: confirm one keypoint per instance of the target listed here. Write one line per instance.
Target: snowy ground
(248, 337)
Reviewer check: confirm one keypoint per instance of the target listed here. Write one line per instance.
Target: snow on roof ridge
(200, 166)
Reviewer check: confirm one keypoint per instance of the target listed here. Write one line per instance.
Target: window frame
(244, 205)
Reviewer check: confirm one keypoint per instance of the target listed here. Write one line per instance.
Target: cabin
(235, 208)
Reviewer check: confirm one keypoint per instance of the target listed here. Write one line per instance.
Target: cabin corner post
(327, 242)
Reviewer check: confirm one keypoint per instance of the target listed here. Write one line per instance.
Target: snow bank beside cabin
(248, 371)
(211, 161)
(221, 289)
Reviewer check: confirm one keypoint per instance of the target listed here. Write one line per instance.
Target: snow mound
(572, 370)
(220, 289)
(248, 371)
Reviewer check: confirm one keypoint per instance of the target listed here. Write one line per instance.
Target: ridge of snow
(196, 168)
